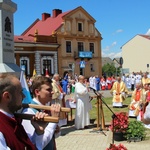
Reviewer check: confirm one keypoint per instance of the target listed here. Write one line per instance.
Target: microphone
(93, 89)
(96, 92)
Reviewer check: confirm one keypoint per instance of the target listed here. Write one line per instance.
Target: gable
(135, 38)
(136, 43)
(80, 13)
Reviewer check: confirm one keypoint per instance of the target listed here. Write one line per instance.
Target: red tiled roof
(145, 36)
(23, 38)
(45, 27)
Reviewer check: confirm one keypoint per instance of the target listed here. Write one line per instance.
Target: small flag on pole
(34, 73)
(46, 73)
(25, 89)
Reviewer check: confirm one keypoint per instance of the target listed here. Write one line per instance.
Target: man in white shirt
(137, 78)
(123, 78)
(128, 82)
(91, 81)
(132, 83)
(94, 82)
(42, 94)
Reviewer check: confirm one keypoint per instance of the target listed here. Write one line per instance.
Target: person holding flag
(42, 94)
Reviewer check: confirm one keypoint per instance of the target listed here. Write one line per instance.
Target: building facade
(62, 42)
(135, 54)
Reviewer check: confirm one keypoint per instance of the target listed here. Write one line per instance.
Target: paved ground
(72, 139)
(89, 139)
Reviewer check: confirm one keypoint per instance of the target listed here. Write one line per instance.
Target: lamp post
(73, 67)
(116, 68)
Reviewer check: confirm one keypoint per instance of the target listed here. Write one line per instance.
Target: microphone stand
(101, 126)
(113, 114)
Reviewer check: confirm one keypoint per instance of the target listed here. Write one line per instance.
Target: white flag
(25, 89)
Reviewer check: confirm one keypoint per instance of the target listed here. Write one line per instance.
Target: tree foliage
(109, 69)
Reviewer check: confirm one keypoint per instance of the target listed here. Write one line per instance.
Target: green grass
(107, 113)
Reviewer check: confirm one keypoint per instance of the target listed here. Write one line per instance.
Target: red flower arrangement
(120, 123)
(116, 147)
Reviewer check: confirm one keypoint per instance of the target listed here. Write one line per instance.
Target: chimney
(45, 16)
(56, 12)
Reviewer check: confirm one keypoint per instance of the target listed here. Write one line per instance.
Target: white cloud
(107, 48)
(112, 55)
(113, 44)
(118, 31)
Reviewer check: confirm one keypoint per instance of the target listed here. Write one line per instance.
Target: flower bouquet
(116, 147)
(120, 122)
(119, 126)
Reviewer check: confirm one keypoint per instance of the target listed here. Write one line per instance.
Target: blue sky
(117, 20)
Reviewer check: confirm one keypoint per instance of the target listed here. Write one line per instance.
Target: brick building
(60, 42)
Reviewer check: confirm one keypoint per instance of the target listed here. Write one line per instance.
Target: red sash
(137, 95)
(60, 88)
(148, 97)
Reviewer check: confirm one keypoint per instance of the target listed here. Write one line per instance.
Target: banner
(25, 89)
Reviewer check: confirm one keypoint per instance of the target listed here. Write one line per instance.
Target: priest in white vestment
(83, 105)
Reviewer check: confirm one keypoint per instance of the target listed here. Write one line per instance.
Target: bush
(135, 129)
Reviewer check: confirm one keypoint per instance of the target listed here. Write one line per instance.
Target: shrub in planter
(136, 131)
(119, 126)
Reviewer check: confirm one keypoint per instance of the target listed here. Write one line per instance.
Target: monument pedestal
(7, 58)
(11, 68)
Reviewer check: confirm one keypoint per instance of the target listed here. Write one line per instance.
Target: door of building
(24, 66)
(46, 65)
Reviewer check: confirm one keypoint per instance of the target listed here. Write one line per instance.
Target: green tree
(109, 69)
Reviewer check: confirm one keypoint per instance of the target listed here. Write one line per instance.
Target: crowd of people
(16, 133)
(139, 85)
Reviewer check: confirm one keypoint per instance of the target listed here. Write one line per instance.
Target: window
(68, 26)
(70, 66)
(68, 46)
(92, 67)
(24, 65)
(80, 28)
(91, 45)
(46, 65)
(80, 46)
